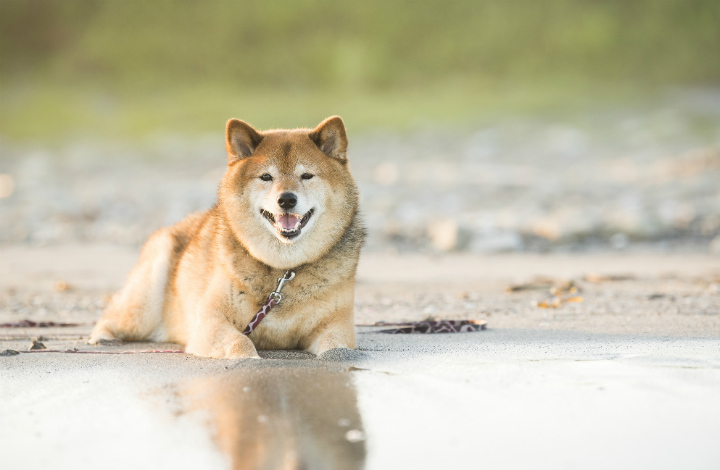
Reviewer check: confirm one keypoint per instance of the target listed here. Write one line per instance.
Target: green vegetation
(126, 68)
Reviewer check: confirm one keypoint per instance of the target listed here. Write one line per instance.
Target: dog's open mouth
(288, 225)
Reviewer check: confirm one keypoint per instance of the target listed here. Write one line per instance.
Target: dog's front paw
(102, 335)
(241, 356)
(231, 350)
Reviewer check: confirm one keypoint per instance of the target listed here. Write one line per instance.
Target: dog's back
(136, 312)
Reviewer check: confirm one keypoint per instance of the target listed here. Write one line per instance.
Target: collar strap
(273, 299)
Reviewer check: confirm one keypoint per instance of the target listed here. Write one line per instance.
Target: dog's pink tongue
(288, 221)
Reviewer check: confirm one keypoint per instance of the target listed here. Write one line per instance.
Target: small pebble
(355, 435)
(62, 286)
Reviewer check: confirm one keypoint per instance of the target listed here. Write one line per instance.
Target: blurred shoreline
(634, 178)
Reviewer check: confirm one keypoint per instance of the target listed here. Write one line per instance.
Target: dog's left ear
(330, 137)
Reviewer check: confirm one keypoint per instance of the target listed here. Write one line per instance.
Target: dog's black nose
(287, 200)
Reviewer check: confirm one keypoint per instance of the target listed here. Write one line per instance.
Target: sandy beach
(546, 173)
(628, 377)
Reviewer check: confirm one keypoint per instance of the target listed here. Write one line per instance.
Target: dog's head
(288, 194)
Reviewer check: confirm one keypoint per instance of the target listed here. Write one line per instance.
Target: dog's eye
(266, 177)
(306, 176)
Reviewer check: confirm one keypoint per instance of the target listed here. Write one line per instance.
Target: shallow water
(506, 399)
(280, 417)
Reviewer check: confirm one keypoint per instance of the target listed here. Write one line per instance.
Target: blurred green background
(126, 69)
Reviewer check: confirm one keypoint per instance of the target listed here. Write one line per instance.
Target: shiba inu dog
(287, 202)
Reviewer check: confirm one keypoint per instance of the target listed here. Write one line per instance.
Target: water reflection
(282, 417)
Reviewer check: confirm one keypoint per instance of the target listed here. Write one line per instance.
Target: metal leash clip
(287, 277)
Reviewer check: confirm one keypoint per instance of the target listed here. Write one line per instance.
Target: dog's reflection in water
(282, 418)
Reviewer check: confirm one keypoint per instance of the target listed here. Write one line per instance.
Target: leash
(274, 298)
(10, 352)
(431, 326)
(41, 324)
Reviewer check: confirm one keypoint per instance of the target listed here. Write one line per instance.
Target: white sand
(578, 387)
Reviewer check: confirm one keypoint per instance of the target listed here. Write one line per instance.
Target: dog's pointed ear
(241, 139)
(331, 138)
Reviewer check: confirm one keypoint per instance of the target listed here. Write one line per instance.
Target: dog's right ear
(241, 139)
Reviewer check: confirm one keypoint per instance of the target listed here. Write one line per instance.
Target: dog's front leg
(212, 334)
(216, 337)
(336, 334)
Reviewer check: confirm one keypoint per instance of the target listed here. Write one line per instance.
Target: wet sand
(628, 378)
